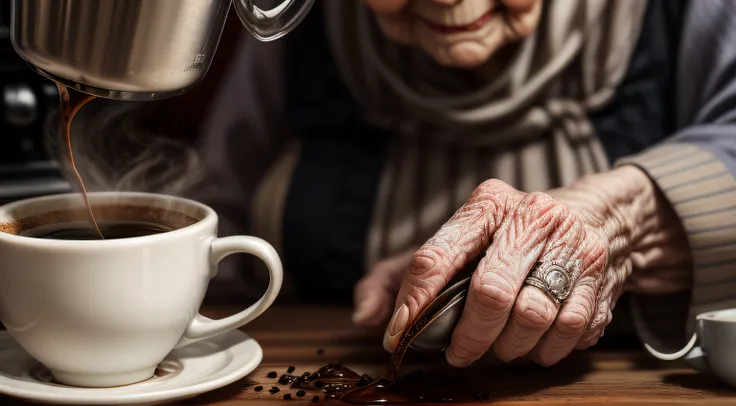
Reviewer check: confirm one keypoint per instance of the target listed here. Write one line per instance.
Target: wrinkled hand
(515, 230)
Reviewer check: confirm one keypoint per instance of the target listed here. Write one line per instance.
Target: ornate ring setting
(554, 278)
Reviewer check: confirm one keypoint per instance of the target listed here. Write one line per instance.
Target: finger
(534, 311)
(460, 240)
(577, 312)
(533, 314)
(375, 294)
(608, 296)
(597, 326)
(516, 248)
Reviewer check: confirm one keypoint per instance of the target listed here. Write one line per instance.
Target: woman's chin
(467, 50)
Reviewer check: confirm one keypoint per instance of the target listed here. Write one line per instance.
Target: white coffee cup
(711, 348)
(102, 313)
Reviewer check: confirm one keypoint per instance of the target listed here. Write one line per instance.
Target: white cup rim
(209, 216)
(712, 316)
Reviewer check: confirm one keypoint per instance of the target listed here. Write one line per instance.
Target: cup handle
(692, 354)
(201, 327)
(269, 25)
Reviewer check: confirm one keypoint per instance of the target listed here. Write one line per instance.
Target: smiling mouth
(454, 29)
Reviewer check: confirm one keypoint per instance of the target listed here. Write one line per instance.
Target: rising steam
(115, 151)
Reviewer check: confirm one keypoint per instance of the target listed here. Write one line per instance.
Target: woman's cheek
(524, 22)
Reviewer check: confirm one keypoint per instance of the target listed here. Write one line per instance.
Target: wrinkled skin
(457, 33)
(596, 221)
(611, 223)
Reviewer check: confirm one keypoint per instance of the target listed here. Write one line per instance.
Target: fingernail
(396, 326)
(398, 322)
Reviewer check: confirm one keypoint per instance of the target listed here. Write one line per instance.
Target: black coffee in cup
(83, 231)
(115, 221)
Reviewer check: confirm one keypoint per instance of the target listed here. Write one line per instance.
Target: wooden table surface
(310, 337)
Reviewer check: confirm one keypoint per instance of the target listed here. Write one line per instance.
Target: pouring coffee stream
(71, 103)
(157, 51)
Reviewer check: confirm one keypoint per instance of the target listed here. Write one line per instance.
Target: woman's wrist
(637, 218)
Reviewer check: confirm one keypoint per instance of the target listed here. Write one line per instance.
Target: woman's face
(457, 33)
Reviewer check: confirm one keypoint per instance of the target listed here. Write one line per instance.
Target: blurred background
(26, 100)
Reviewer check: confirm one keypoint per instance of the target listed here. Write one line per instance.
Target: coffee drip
(444, 385)
(71, 103)
(337, 381)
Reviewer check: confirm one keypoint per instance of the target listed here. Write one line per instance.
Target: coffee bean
(290, 369)
(272, 374)
(285, 379)
(315, 398)
(287, 397)
(306, 374)
(258, 388)
(319, 384)
(274, 390)
(301, 393)
(364, 380)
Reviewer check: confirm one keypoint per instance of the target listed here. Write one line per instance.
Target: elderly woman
(581, 148)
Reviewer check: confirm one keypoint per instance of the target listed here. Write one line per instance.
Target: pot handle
(269, 25)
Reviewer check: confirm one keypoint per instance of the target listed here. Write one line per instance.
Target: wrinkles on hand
(600, 227)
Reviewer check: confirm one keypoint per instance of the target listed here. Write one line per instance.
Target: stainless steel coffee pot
(136, 49)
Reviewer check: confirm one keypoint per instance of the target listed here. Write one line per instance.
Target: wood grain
(293, 336)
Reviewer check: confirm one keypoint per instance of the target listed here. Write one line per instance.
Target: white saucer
(186, 372)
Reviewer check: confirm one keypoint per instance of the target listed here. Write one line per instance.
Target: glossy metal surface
(135, 49)
(268, 25)
(438, 333)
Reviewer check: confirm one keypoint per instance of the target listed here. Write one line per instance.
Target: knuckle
(493, 185)
(493, 191)
(541, 199)
(426, 258)
(572, 322)
(534, 314)
(417, 297)
(492, 299)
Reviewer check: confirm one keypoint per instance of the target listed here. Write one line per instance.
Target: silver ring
(553, 278)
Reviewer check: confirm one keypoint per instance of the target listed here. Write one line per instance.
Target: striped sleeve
(696, 168)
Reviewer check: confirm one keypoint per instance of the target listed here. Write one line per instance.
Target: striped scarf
(453, 129)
